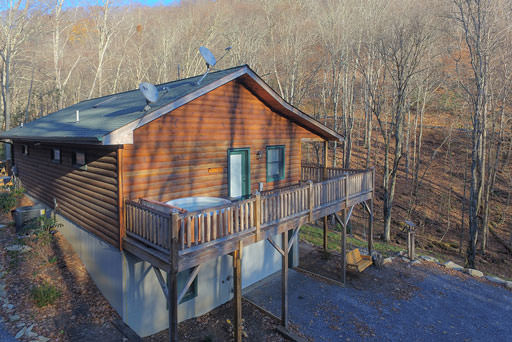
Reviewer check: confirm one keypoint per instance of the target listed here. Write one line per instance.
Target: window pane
(274, 155)
(273, 169)
(235, 174)
(275, 162)
(56, 154)
(80, 158)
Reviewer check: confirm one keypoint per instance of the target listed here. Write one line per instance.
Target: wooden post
(257, 215)
(172, 280)
(344, 247)
(326, 158)
(411, 244)
(237, 295)
(409, 249)
(284, 281)
(311, 201)
(326, 229)
(344, 233)
(370, 223)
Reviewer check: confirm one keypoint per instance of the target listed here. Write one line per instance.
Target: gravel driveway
(425, 305)
(4, 335)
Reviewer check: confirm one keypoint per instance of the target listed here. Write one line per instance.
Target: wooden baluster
(226, 221)
(282, 205)
(222, 230)
(156, 222)
(197, 232)
(257, 215)
(214, 225)
(208, 219)
(201, 227)
(181, 233)
(189, 231)
(247, 222)
(236, 210)
(243, 213)
(311, 201)
(230, 218)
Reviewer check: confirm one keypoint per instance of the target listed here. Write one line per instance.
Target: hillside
(437, 210)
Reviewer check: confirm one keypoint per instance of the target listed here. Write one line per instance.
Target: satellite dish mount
(150, 93)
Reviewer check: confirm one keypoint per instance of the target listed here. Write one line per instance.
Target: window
(56, 157)
(24, 149)
(79, 159)
(275, 163)
(183, 277)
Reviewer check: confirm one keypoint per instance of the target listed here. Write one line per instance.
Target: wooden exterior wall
(184, 153)
(89, 197)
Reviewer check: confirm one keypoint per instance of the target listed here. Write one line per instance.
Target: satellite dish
(208, 56)
(150, 93)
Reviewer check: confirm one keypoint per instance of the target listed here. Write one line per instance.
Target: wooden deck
(152, 229)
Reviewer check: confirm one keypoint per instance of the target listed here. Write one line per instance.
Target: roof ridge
(161, 84)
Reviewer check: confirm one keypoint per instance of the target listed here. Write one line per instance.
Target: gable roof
(110, 120)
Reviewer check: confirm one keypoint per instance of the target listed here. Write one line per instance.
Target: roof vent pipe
(77, 115)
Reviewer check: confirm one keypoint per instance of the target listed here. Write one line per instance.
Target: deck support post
(172, 280)
(346, 218)
(311, 201)
(370, 228)
(326, 225)
(370, 223)
(284, 281)
(237, 295)
(172, 304)
(326, 158)
(344, 247)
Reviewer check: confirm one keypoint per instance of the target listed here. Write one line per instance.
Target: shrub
(43, 223)
(45, 294)
(9, 198)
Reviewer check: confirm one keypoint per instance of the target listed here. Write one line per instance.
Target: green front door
(239, 177)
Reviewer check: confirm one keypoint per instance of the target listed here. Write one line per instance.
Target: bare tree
(477, 20)
(402, 50)
(14, 30)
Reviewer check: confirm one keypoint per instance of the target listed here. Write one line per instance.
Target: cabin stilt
(284, 281)
(172, 304)
(326, 230)
(237, 295)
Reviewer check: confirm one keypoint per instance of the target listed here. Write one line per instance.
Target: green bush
(9, 198)
(45, 294)
(43, 223)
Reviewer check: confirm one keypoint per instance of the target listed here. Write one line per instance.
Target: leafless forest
(420, 89)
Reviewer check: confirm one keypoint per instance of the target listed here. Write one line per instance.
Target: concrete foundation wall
(132, 288)
(102, 261)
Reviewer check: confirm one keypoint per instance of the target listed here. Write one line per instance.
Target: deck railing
(318, 173)
(151, 224)
(148, 225)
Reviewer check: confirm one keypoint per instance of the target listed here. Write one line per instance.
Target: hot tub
(198, 203)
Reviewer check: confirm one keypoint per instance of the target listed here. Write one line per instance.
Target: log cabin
(160, 199)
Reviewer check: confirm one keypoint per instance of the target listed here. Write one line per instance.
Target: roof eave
(67, 140)
(280, 105)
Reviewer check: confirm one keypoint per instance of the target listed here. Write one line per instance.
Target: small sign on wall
(215, 169)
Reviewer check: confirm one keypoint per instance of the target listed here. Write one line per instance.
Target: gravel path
(436, 307)
(4, 335)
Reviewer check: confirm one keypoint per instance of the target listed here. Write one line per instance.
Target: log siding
(184, 153)
(88, 197)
